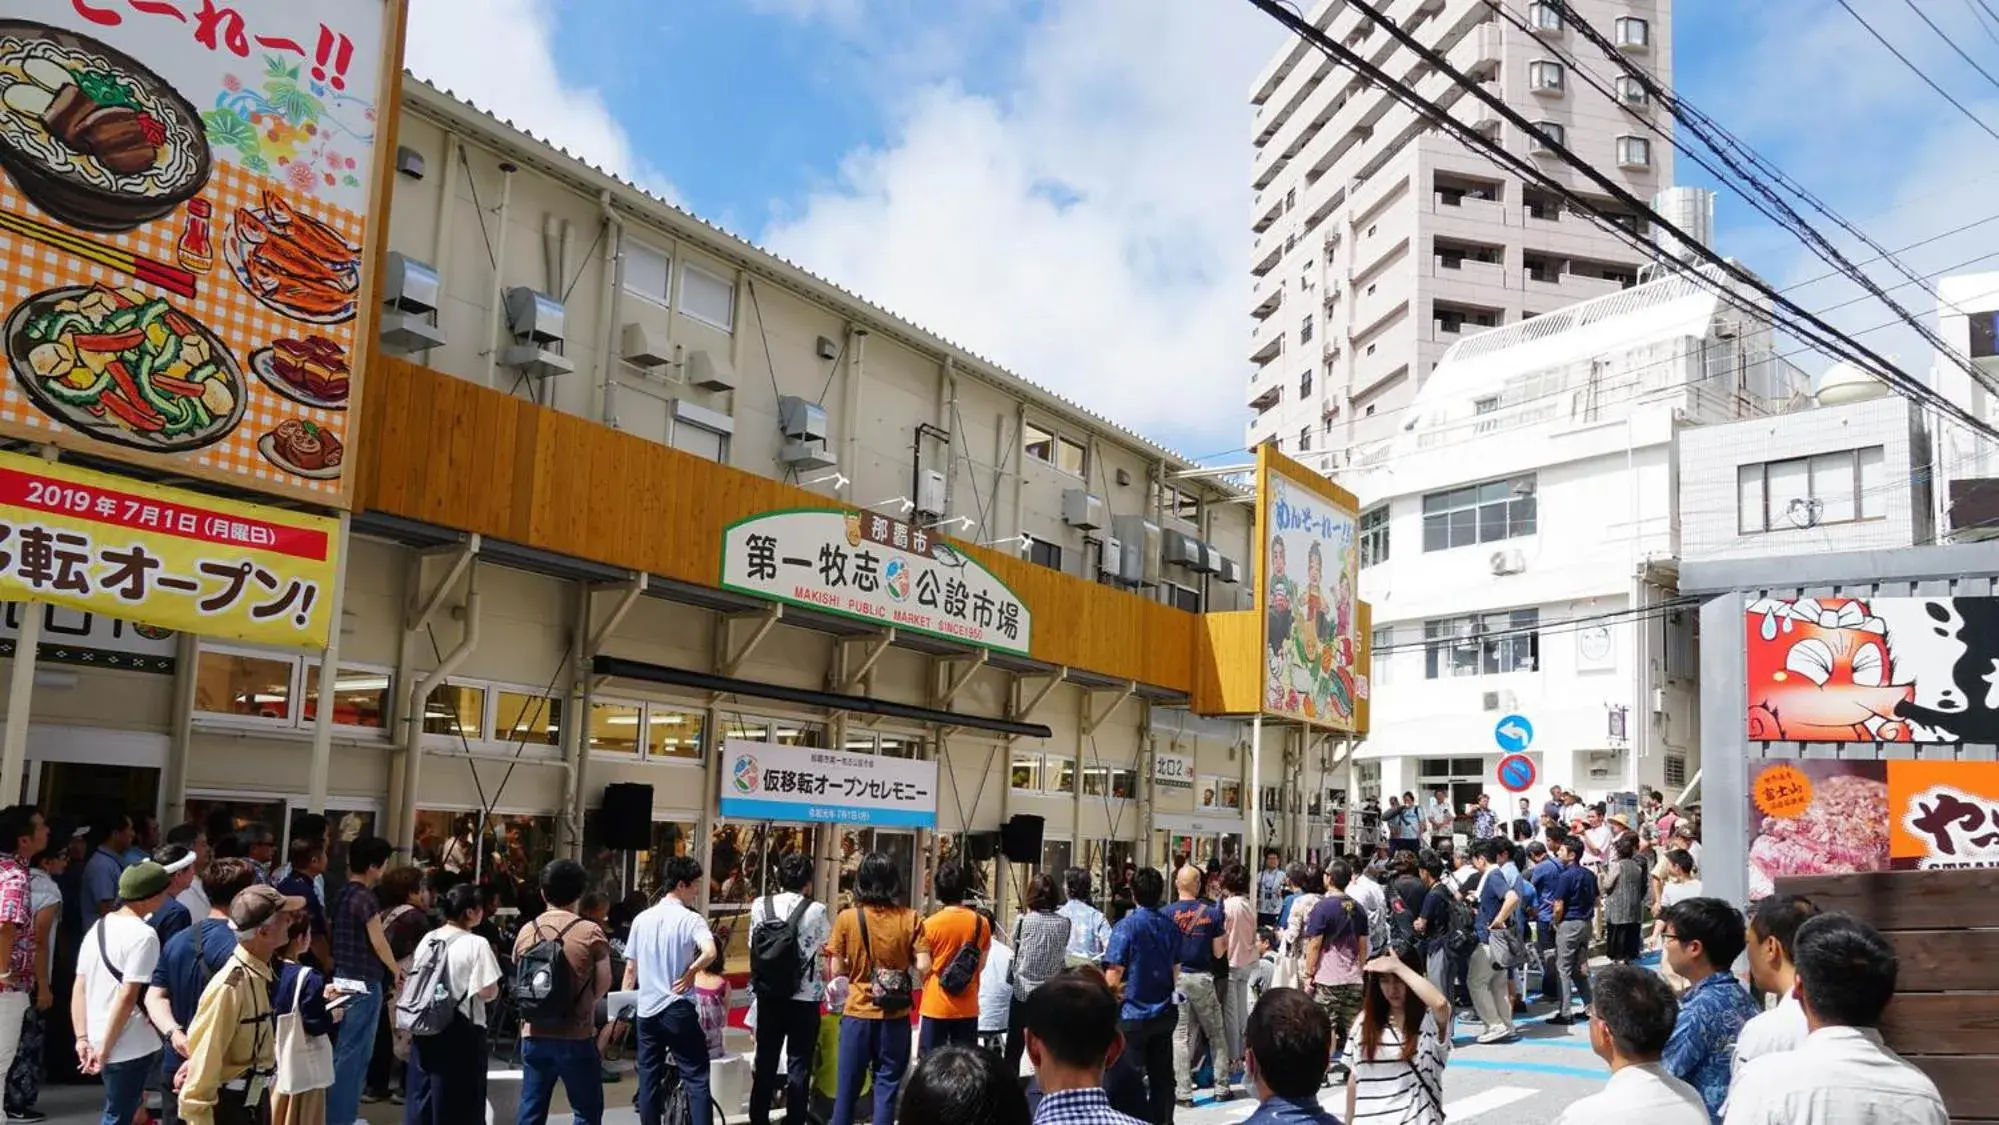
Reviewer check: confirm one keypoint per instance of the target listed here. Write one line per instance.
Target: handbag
(892, 987)
(305, 1060)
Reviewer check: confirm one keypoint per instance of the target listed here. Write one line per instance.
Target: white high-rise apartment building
(1379, 242)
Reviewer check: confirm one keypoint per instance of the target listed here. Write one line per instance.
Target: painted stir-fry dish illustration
(129, 369)
(183, 207)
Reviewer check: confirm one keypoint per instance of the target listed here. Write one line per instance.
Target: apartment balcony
(1265, 391)
(1470, 270)
(1568, 288)
(1267, 214)
(1266, 340)
(1269, 250)
(1268, 303)
(1270, 163)
(1481, 47)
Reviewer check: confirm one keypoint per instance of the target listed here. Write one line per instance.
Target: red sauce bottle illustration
(196, 250)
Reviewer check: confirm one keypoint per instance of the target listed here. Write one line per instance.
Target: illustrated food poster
(185, 187)
(1872, 670)
(1832, 817)
(1307, 580)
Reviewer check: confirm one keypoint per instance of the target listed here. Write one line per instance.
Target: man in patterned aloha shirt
(1703, 938)
(1484, 822)
(23, 834)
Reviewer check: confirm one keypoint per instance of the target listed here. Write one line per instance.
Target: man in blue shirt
(1287, 1041)
(1089, 930)
(172, 916)
(1574, 907)
(107, 863)
(670, 943)
(1143, 959)
(1202, 948)
(1541, 874)
(1703, 938)
(1498, 902)
(186, 963)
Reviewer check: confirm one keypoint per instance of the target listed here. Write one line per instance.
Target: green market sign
(873, 568)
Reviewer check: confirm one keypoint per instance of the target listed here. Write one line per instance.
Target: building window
(693, 437)
(1547, 135)
(648, 273)
(1630, 31)
(1041, 552)
(1380, 653)
(360, 696)
(1811, 491)
(254, 687)
(1304, 384)
(1634, 152)
(616, 729)
(1544, 77)
(456, 710)
(1070, 457)
(1305, 330)
(1117, 783)
(1544, 17)
(708, 298)
(1479, 513)
(1631, 92)
(673, 733)
(244, 684)
(1037, 443)
(1291, 199)
(1485, 644)
(1304, 439)
(1183, 597)
(1066, 454)
(528, 719)
(1374, 536)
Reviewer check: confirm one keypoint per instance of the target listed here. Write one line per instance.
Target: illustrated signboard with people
(1307, 593)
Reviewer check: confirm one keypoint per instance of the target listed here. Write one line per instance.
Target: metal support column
(1254, 845)
(329, 679)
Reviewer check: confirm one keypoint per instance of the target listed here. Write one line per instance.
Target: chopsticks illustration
(173, 279)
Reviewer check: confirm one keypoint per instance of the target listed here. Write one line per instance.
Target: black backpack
(958, 974)
(777, 962)
(1463, 935)
(543, 990)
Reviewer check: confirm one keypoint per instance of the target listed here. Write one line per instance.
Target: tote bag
(305, 1060)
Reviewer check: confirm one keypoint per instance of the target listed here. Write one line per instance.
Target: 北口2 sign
(164, 557)
(769, 781)
(191, 196)
(857, 564)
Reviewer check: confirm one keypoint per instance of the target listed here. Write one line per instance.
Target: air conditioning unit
(535, 320)
(1658, 701)
(806, 456)
(930, 494)
(1082, 509)
(801, 419)
(1601, 764)
(1140, 540)
(1181, 549)
(1229, 569)
(1209, 560)
(1498, 701)
(1508, 562)
(410, 296)
(709, 373)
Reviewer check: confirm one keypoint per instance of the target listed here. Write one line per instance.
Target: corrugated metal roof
(442, 102)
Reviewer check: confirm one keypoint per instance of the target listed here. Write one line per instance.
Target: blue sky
(1064, 188)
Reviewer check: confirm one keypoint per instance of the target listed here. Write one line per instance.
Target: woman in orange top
(951, 1016)
(874, 946)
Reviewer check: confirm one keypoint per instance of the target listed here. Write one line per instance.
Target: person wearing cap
(232, 1045)
(113, 966)
(172, 917)
(188, 962)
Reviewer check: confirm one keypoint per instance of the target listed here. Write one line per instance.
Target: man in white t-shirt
(114, 965)
(1632, 1014)
(790, 1024)
(1773, 924)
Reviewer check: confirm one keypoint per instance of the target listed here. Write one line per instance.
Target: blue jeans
(576, 1063)
(939, 1033)
(124, 1085)
(673, 1035)
(881, 1046)
(352, 1046)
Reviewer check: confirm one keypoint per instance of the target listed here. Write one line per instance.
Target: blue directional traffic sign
(1513, 733)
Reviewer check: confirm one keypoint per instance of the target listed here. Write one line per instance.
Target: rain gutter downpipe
(604, 404)
(413, 732)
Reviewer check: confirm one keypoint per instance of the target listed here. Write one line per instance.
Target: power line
(1979, 16)
(1927, 80)
(1952, 44)
(1812, 328)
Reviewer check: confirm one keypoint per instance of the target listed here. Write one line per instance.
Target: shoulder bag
(891, 986)
(305, 1060)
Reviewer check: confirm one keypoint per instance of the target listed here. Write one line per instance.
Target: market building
(810, 576)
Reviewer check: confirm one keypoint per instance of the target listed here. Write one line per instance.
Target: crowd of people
(220, 987)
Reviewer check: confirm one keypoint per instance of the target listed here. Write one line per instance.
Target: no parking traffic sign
(1517, 773)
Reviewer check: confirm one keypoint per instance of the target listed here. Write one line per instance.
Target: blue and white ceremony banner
(768, 781)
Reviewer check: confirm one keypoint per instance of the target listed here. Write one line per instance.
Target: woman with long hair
(1400, 1044)
(873, 952)
(447, 1072)
(1239, 926)
(1624, 888)
(1311, 883)
(1040, 950)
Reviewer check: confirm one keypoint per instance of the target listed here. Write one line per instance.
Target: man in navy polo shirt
(1574, 910)
(1143, 958)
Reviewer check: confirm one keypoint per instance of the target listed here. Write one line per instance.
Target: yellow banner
(164, 556)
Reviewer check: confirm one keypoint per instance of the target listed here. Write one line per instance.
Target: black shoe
(1560, 1021)
(27, 1116)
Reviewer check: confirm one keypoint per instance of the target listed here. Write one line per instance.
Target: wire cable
(1952, 44)
(1918, 71)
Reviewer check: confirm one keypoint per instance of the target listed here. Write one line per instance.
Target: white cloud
(1087, 226)
(504, 62)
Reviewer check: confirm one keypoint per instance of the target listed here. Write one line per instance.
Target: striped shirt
(1390, 1091)
(1040, 950)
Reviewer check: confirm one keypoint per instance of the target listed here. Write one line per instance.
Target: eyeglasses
(1668, 935)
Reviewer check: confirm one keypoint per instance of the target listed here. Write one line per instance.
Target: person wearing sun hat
(232, 1045)
(114, 964)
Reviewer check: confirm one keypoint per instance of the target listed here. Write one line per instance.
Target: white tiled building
(1378, 242)
(1523, 523)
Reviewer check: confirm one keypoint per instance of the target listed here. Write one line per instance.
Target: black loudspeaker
(625, 820)
(1020, 838)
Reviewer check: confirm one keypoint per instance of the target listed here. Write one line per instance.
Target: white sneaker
(1496, 1035)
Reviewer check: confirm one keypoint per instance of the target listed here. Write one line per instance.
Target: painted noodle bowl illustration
(91, 135)
(125, 368)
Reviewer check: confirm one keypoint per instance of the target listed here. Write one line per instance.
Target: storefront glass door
(73, 794)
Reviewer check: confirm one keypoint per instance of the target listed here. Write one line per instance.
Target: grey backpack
(427, 1003)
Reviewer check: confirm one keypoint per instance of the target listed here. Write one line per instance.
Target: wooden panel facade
(1945, 1015)
(453, 453)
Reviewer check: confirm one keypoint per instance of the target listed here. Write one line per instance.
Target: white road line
(1485, 1101)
